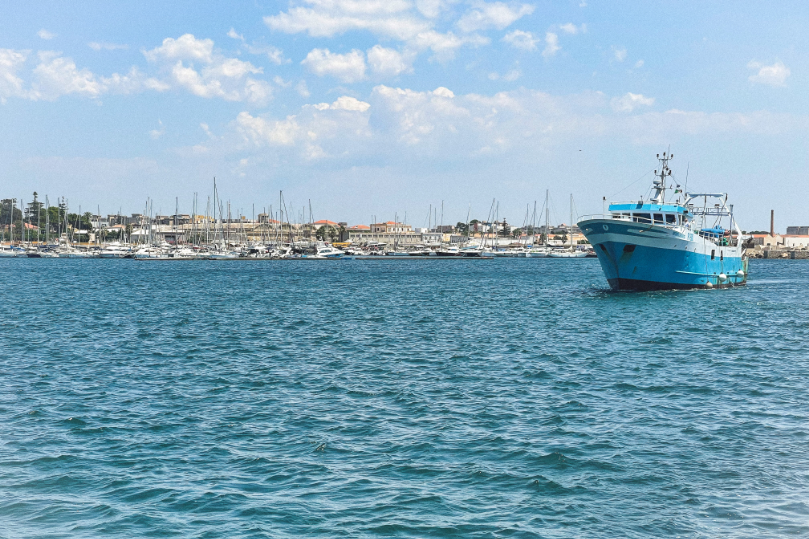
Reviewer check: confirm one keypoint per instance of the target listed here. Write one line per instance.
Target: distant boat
(658, 245)
(449, 251)
(567, 253)
(327, 251)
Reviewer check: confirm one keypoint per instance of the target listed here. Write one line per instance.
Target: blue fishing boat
(692, 241)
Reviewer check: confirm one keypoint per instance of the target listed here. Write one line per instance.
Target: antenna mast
(660, 179)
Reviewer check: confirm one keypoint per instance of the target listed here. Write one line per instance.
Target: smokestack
(772, 223)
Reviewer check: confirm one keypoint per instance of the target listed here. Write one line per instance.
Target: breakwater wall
(782, 254)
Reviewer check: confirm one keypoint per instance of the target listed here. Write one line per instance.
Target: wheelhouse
(651, 214)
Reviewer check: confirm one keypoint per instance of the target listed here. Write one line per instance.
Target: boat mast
(547, 218)
(570, 226)
(660, 179)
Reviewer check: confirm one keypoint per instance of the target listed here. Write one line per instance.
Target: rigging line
(631, 184)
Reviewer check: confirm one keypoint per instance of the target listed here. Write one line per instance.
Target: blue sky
(382, 107)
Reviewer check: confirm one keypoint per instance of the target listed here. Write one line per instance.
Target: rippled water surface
(502, 398)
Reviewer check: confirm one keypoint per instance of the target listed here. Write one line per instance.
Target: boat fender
(740, 273)
(710, 284)
(723, 277)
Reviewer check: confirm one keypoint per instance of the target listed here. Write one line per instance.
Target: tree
(325, 232)
(462, 228)
(5, 211)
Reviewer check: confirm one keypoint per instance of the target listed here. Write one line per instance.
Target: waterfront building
(795, 241)
(767, 240)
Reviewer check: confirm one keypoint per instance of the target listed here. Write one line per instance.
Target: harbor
(37, 229)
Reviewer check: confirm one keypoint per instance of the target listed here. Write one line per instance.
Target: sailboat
(571, 251)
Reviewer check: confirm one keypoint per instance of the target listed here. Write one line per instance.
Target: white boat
(114, 250)
(452, 250)
(327, 251)
(222, 255)
(148, 253)
(7, 252)
(567, 253)
(184, 253)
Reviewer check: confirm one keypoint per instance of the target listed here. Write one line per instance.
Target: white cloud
(98, 46)
(444, 46)
(327, 18)
(639, 64)
(273, 54)
(216, 75)
(389, 62)
(511, 76)
(56, 75)
(396, 122)
(318, 131)
(345, 103)
(412, 117)
(629, 102)
(207, 131)
(235, 35)
(433, 8)
(133, 82)
(404, 20)
(276, 56)
(492, 15)
(157, 133)
(348, 67)
(619, 54)
(551, 44)
(185, 47)
(260, 131)
(10, 84)
(44, 34)
(572, 29)
(521, 40)
(772, 75)
(302, 89)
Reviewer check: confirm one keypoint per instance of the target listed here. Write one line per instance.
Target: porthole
(605, 227)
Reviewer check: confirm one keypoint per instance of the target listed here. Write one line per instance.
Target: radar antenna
(660, 179)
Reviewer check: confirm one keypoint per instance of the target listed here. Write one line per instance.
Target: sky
(375, 109)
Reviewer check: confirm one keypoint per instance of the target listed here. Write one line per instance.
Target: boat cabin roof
(672, 208)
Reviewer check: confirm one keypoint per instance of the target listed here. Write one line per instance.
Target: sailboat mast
(547, 218)
(571, 221)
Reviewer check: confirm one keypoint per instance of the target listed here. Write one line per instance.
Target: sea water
(407, 398)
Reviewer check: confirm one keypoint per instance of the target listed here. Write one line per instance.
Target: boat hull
(648, 257)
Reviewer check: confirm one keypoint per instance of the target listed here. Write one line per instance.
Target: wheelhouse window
(659, 218)
(671, 219)
(642, 217)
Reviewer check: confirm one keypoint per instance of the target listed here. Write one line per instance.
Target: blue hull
(671, 262)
